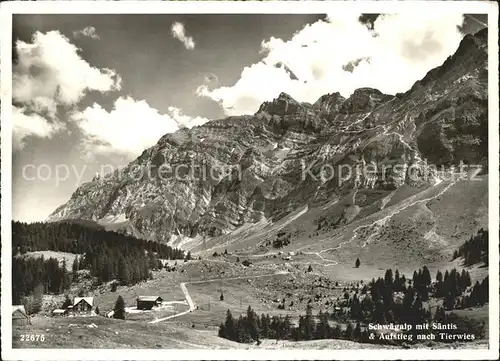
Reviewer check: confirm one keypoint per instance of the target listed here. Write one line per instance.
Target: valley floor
(195, 326)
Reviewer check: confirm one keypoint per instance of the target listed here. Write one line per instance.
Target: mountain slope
(241, 174)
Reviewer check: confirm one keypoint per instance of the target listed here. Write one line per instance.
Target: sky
(91, 92)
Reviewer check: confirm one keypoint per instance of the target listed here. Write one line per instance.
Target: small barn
(83, 305)
(19, 316)
(148, 302)
(58, 312)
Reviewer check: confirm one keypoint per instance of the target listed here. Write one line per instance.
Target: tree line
(474, 250)
(77, 238)
(31, 277)
(107, 255)
(380, 304)
(253, 328)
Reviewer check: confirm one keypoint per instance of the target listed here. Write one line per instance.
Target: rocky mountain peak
(364, 100)
(283, 105)
(441, 120)
(329, 103)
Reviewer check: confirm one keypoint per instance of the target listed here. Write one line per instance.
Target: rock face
(211, 180)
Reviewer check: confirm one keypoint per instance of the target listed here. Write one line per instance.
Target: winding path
(379, 223)
(189, 300)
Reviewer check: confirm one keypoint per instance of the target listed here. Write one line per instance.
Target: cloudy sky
(95, 91)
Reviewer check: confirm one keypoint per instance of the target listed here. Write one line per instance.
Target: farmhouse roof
(19, 309)
(58, 311)
(89, 300)
(149, 298)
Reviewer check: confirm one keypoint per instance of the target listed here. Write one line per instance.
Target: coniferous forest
(30, 273)
(391, 299)
(107, 255)
(474, 250)
(251, 327)
(78, 238)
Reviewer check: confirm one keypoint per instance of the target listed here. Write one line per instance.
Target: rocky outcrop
(211, 180)
(283, 105)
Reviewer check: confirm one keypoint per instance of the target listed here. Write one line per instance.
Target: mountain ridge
(441, 120)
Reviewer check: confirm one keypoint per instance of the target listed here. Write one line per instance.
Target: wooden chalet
(148, 302)
(19, 316)
(83, 305)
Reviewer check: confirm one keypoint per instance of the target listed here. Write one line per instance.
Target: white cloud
(50, 68)
(25, 125)
(50, 73)
(88, 31)
(179, 32)
(185, 120)
(129, 128)
(405, 48)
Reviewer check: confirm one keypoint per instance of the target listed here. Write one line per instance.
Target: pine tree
(388, 278)
(406, 307)
(358, 263)
(243, 331)
(222, 331)
(123, 272)
(309, 269)
(398, 284)
(465, 279)
(253, 328)
(275, 328)
(81, 262)
(310, 325)
(357, 332)
(301, 331)
(426, 276)
(440, 315)
(418, 313)
(337, 332)
(230, 327)
(378, 314)
(221, 296)
(356, 312)
(415, 278)
(75, 265)
(37, 299)
(367, 305)
(322, 328)
(265, 325)
(349, 332)
(439, 276)
(286, 327)
(119, 309)
(67, 302)
(449, 301)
